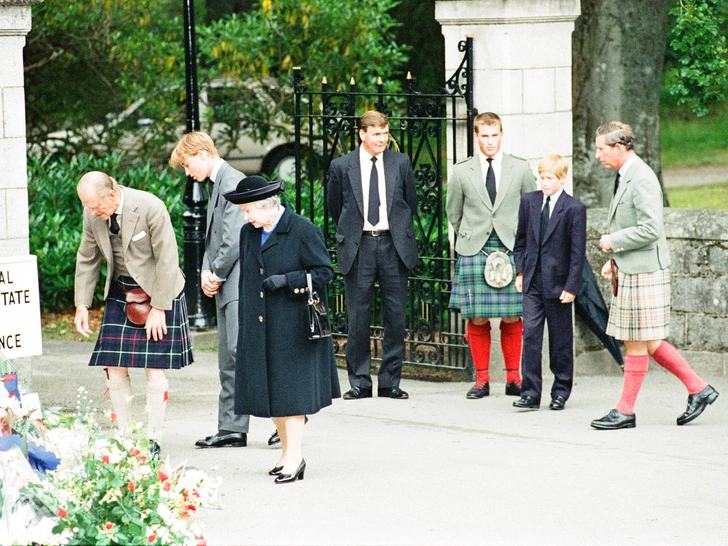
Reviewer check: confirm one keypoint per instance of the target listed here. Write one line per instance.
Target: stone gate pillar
(15, 24)
(522, 60)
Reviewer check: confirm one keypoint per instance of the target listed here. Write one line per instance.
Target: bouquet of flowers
(106, 490)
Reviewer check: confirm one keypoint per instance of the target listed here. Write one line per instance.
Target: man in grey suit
(372, 199)
(197, 154)
(483, 196)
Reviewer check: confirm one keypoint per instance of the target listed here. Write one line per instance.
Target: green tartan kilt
(473, 297)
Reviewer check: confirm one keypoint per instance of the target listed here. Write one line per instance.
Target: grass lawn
(690, 141)
(708, 196)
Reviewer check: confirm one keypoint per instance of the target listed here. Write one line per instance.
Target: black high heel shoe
(275, 471)
(297, 475)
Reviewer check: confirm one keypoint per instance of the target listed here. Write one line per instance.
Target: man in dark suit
(372, 198)
(550, 251)
(197, 154)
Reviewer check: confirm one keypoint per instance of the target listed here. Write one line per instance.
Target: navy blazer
(564, 247)
(346, 205)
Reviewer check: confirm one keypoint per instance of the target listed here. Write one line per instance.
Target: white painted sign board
(20, 332)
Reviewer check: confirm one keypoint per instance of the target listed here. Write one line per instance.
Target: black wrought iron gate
(326, 128)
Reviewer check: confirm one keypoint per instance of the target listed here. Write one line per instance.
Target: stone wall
(698, 241)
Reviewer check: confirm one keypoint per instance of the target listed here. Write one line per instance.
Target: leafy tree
(86, 61)
(254, 55)
(699, 76)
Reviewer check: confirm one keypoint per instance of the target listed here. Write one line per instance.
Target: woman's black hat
(254, 188)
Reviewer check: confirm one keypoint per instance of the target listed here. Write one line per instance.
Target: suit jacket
(564, 246)
(149, 247)
(346, 205)
(470, 211)
(635, 225)
(222, 237)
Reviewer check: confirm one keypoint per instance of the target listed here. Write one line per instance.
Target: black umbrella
(590, 306)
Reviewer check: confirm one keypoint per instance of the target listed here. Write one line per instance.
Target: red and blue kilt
(472, 295)
(123, 344)
(641, 309)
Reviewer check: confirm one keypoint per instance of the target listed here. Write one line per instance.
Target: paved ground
(692, 176)
(440, 469)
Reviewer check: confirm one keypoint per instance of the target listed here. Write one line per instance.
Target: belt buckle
(375, 233)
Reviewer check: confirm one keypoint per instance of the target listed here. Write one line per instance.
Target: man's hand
(80, 321)
(156, 324)
(607, 270)
(605, 243)
(567, 297)
(519, 282)
(209, 285)
(274, 282)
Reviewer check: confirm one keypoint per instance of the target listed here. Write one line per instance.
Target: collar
(216, 169)
(365, 156)
(281, 210)
(554, 197)
(121, 202)
(627, 164)
(497, 158)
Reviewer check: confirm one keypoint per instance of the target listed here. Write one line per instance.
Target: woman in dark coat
(280, 373)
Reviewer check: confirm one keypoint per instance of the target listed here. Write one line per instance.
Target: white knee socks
(120, 394)
(156, 406)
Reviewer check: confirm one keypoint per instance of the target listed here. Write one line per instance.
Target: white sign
(20, 333)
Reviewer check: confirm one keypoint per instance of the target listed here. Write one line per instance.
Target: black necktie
(490, 180)
(616, 183)
(113, 225)
(544, 219)
(373, 212)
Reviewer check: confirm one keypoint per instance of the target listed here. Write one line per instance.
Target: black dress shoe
(275, 471)
(527, 402)
(224, 439)
(479, 391)
(557, 403)
(297, 475)
(357, 393)
(614, 420)
(392, 392)
(513, 389)
(697, 404)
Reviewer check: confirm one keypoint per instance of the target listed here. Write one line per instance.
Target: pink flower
(113, 417)
(134, 452)
(166, 486)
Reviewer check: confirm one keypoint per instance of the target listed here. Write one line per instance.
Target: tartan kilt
(641, 309)
(123, 344)
(472, 295)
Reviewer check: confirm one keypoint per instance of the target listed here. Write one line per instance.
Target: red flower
(143, 459)
(201, 541)
(134, 452)
(62, 513)
(162, 476)
(131, 486)
(105, 459)
(191, 508)
(113, 417)
(166, 486)
(109, 526)
(151, 538)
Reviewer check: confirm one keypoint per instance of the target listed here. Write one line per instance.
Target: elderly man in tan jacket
(131, 231)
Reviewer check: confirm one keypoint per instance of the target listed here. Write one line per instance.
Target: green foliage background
(56, 216)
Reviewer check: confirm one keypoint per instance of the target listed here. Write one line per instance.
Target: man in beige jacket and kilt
(483, 196)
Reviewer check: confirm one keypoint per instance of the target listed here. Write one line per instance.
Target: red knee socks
(511, 344)
(635, 368)
(669, 358)
(479, 340)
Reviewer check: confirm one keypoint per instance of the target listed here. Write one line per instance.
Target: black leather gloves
(274, 282)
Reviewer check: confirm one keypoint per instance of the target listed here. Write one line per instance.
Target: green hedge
(56, 215)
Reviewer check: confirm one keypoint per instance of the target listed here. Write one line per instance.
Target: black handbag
(318, 318)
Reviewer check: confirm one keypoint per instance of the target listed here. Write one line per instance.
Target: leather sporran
(138, 305)
(615, 277)
(318, 317)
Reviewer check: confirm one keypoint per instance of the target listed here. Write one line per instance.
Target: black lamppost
(201, 308)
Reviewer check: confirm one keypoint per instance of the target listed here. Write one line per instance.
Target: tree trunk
(618, 54)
